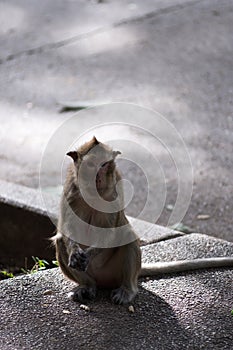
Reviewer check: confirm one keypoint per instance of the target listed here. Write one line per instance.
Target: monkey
(116, 266)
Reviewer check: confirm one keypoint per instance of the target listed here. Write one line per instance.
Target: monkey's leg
(87, 285)
(131, 267)
(83, 292)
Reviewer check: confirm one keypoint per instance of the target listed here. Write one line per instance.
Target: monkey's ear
(95, 141)
(115, 154)
(73, 155)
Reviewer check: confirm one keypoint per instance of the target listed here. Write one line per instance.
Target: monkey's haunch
(184, 265)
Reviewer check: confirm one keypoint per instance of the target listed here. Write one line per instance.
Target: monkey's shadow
(152, 325)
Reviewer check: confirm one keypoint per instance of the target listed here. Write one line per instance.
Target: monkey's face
(96, 173)
(95, 169)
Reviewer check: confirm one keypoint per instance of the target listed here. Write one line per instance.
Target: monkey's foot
(78, 260)
(83, 293)
(122, 295)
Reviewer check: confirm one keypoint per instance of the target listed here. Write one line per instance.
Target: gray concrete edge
(31, 200)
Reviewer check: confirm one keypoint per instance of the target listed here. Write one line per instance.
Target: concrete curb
(26, 227)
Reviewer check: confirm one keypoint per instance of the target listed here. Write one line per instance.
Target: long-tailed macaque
(114, 267)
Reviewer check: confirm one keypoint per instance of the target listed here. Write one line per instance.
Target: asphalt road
(172, 56)
(188, 311)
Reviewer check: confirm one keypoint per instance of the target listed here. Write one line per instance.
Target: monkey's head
(95, 168)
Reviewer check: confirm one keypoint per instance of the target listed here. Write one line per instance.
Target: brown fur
(103, 267)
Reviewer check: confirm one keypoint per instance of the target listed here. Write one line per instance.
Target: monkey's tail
(159, 268)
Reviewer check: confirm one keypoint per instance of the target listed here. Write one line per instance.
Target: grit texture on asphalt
(190, 311)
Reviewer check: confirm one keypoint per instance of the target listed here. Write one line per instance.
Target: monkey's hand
(78, 259)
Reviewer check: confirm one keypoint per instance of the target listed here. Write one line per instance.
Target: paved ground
(172, 56)
(189, 311)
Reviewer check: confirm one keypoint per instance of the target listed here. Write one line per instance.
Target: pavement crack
(91, 33)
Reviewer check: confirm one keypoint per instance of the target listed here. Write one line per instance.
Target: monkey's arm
(79, 258)
(184, 265)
